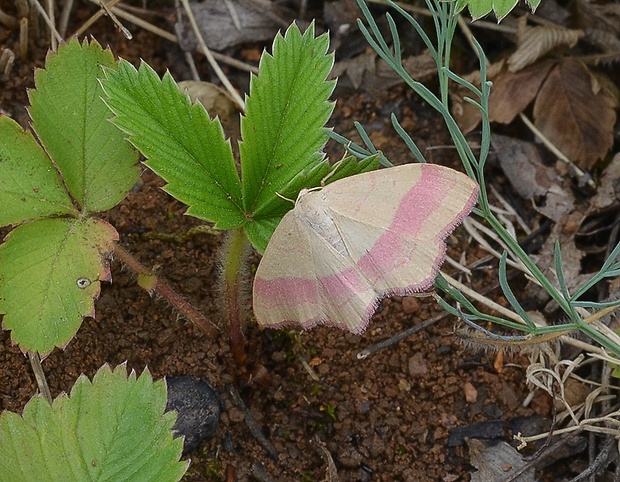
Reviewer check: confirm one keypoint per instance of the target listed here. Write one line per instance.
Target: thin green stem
(445, 21)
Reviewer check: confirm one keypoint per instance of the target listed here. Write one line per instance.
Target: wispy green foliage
(444, 17)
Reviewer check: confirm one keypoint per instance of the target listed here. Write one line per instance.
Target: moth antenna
(284, 197)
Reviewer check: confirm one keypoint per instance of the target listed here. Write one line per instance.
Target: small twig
(119, 12)
(7, 58)
(64, 17)
(23, 38)
(252, 425)
(260, 473)
(554, 150)
(366, 352)
(7, 20)
(601, 461)
(39, 375)
(332, 472)
(96, 16)
(115, 20)
(192, 65)
(477, 229)
(233, 14)
(52, 17)
(207, 52)
(47, 20)
(308, 368)
(483, 299)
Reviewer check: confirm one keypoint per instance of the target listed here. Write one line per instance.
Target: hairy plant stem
(39, 375)
(162, 288)
(234, 251)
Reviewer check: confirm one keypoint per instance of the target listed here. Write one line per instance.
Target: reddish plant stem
(234, 256)
(162, 288)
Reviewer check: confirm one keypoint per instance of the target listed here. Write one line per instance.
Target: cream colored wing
(342, 249)
(303, 280)
(394, 222)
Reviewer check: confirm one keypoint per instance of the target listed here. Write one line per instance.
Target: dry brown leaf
(248, 22)
(355, 68)
(572, 258)
(341, 21)
(496, 460)
(601, 24)
(522, 164)
(372, 74)
(216, 100)
(552, 11)
(608, 193)
(535, 42)
(513, 91)
(575, 114)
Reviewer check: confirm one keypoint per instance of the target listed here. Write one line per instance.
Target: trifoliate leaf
(97, 164)
(50, 272)
(113, 428)
(283, 136)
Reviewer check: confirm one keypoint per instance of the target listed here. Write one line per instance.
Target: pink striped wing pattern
(345, 247)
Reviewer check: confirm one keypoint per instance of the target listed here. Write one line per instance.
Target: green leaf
(501, 8)
(114, 428)
(181, 143)
(285, 114)
(98, 166)
(31, 187)
(533, 4)
(50, 271)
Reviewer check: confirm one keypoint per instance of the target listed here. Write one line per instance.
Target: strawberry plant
(51, 266)
(280, 151)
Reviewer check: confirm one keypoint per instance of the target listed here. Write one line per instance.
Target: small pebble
(471, 394)
(235, 415)
(417, 366)
(410, 304)
(350, 458)
(198, 409)
(375, 446)
(404, 385)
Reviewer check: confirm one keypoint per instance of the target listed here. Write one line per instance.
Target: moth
(344, 247)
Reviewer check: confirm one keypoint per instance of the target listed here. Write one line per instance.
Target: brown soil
(384, 418)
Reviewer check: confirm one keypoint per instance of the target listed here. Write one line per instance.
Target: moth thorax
(313, 211)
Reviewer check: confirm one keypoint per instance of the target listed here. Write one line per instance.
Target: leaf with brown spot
(575, 114)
